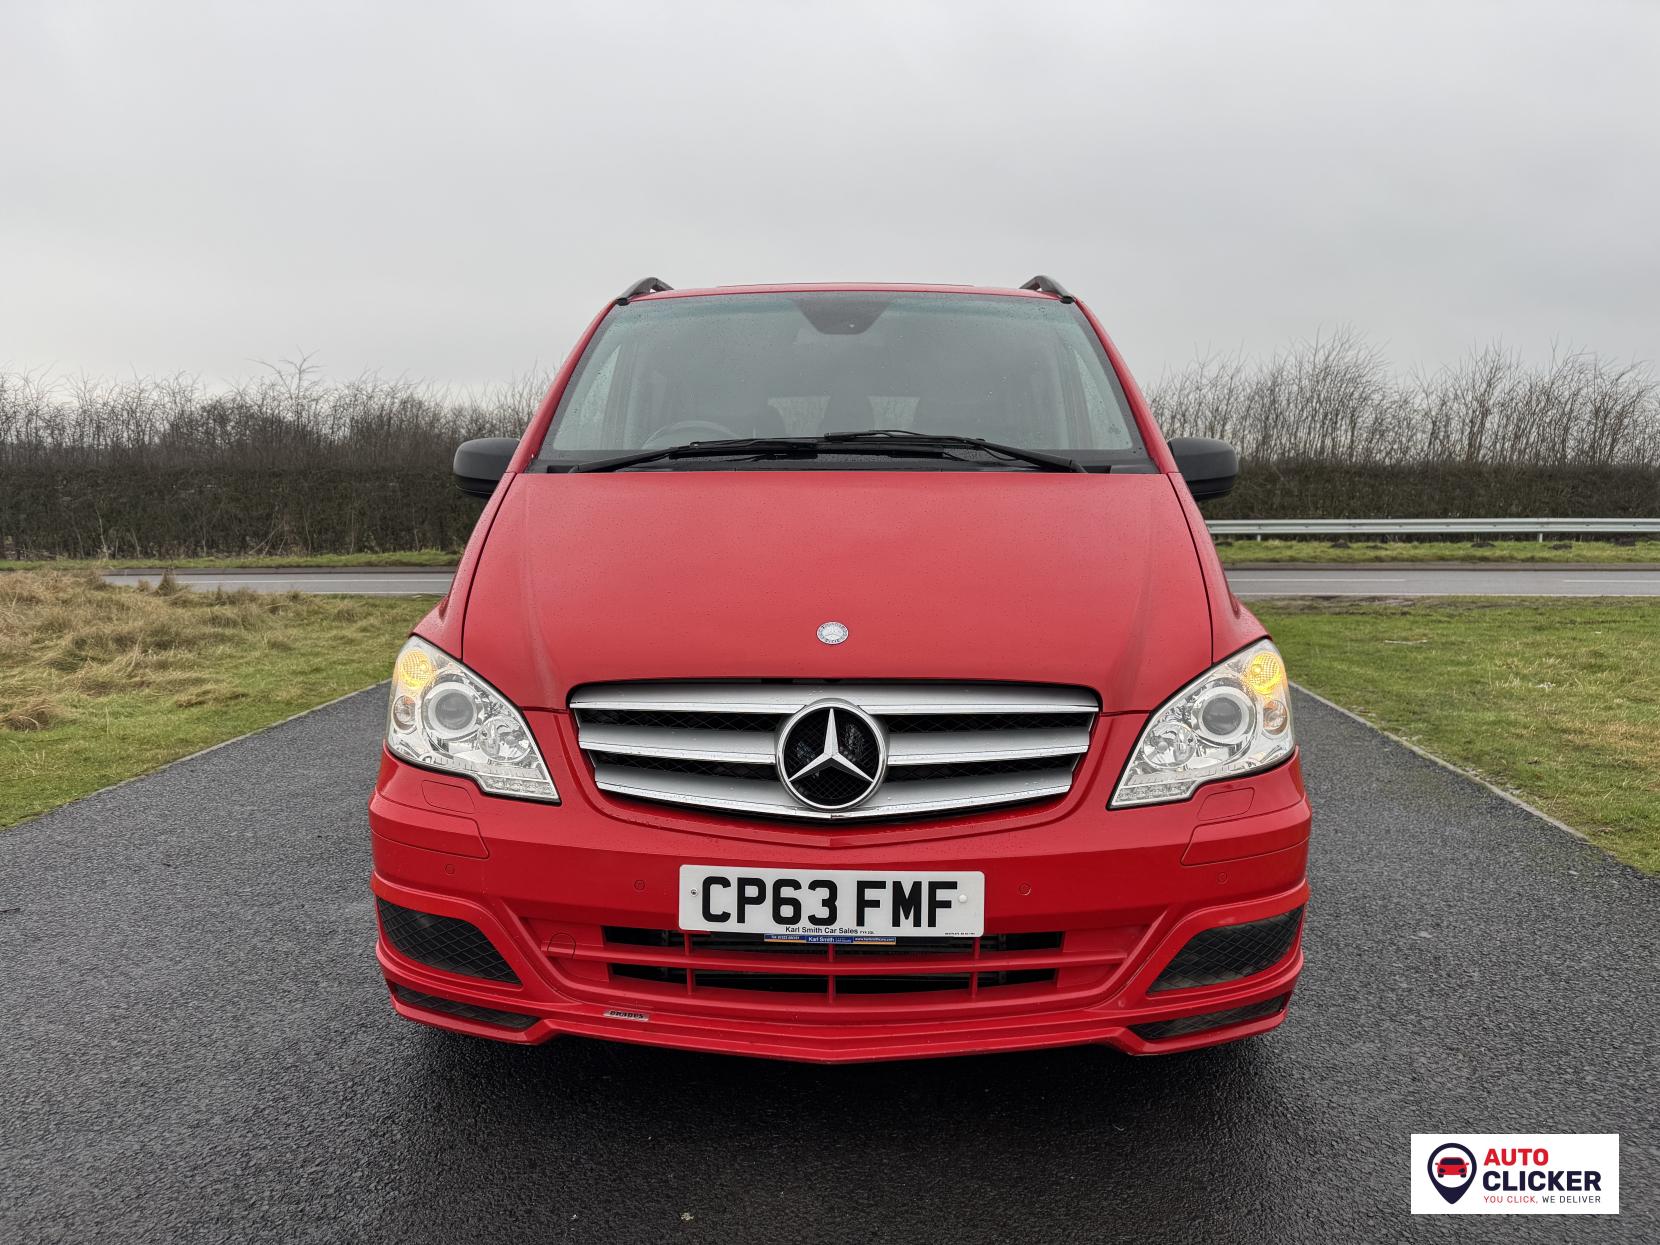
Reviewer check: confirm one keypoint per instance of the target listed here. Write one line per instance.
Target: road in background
(199, 1047)
(372, 581)
(1391, 580)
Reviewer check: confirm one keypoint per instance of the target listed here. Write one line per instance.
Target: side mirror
(479, 464)
(1210, 467)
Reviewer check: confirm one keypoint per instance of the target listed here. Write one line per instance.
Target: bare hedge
(1334, 399)
(1304, 490)
(99, 511)
(286, 463)
(292, 463)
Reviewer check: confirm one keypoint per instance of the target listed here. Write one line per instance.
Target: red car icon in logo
(1452, 1170)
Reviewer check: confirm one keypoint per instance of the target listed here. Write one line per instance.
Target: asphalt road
(198, 1048)
(1379, 580)
(379, 581)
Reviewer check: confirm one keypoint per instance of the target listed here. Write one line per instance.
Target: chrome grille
(950, 746)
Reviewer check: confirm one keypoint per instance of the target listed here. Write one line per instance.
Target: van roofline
(845, 287)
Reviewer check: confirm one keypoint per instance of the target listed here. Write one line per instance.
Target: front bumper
(579, 900)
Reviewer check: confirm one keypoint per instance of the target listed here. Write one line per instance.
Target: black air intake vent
(1229, 952)
(443, 942)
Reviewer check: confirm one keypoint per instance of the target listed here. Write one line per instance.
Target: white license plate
(831, 905)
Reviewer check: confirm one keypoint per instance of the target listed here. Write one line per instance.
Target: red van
(842, 672)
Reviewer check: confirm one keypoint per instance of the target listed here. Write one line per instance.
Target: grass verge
(1556, 701)
(98, 684)
(1245, 552)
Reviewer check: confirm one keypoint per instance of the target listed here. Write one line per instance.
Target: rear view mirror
(479, 464)
(1210, 467)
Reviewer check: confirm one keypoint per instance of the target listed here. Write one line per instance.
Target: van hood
(1085, 580)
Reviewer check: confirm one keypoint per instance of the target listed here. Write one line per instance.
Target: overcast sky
(450, 192)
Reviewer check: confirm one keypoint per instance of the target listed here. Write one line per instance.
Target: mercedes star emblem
(832, 632)
(831, 755)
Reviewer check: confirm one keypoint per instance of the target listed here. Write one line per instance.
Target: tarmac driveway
(198, 1048)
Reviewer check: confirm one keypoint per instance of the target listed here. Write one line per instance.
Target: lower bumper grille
(465, 1011)
(909, 966)
(443, 942)
(1229, 952)
(1163, 1030)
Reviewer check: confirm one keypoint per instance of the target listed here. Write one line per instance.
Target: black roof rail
(645, 285)
(1048, 285)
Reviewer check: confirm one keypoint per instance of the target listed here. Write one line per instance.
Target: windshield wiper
(894, 441)
(804, 447)
(945, 440)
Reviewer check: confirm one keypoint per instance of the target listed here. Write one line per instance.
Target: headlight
(443, 716)
(1233, 719)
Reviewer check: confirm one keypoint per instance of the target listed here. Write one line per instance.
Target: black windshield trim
(876, 443)
(889, 464)
(1095, 462)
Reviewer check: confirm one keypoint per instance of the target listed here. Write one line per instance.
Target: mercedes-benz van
(842, 672)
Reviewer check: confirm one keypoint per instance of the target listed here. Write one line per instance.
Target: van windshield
(1016, 371)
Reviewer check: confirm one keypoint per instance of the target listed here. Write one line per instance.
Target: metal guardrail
(1432, 527)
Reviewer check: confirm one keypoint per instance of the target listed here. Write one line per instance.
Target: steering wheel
(685, 425)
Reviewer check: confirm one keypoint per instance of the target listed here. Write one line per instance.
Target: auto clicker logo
(1515, 1174)
(1452, 1170)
